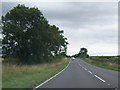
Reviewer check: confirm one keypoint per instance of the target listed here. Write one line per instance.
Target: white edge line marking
(100, 78)
(52, 76)
(90, 72)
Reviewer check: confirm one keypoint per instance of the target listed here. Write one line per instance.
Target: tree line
(29, 37)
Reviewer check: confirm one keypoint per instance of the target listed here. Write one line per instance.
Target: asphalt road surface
(80, 74)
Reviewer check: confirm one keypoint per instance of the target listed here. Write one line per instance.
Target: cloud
(85, 24)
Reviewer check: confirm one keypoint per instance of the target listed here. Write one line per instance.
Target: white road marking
(80, 64)
(82, 67)
(51, 77)
(99, 78)
(90, 72)
(108, 84)
(96, 76)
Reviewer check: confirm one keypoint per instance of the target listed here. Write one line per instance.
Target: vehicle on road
(73, 58)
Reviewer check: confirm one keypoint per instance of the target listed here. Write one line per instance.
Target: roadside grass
(103, 63)
(29, 76)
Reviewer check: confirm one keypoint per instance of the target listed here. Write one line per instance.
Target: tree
(28, 36)
(83, 52)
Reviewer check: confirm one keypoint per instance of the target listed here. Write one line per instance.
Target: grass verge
(107, 65)
(28, 76)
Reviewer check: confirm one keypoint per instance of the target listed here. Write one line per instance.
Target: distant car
(73, 58)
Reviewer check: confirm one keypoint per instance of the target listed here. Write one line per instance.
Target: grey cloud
(76, 14)
(82, 13)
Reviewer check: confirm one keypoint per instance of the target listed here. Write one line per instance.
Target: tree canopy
(28, 36)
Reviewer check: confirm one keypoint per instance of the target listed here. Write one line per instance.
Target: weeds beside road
(108, 62)
(28, 76)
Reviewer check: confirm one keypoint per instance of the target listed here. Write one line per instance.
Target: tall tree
(28, 36)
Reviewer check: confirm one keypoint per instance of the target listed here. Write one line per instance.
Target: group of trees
(82, 53)
(29, 37)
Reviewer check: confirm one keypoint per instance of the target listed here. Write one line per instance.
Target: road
(80, 74)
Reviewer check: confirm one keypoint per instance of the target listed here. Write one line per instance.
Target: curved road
(80, 74)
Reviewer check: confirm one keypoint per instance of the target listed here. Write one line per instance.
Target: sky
(92, 25)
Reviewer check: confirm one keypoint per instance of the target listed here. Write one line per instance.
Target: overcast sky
(93, 25)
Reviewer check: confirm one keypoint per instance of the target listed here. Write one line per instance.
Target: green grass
(103, 63)
(28, 76)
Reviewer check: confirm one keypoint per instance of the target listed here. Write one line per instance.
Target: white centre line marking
(100, 78)
(90, 72)
(94, 75)
(83, 67)
(108, 84)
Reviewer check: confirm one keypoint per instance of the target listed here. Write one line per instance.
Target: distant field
(108, 62)
(28, 76)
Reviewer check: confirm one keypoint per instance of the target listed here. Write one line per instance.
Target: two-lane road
(80, 74)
